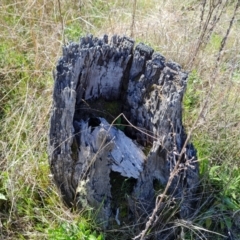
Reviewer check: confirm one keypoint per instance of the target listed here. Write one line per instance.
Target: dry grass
(31, 36)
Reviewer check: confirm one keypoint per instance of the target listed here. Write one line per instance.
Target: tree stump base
(116, 130)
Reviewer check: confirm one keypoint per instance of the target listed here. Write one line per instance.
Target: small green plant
(73, 31)
(214, 43)
(192, 95)
(229, 183)
(73, 231)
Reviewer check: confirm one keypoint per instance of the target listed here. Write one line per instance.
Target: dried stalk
(223, 42)
(154, 218)
(133, 18)
(204, 30)
(62, 22)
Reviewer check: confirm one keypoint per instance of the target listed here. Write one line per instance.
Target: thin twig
(202, 14)
(204, 32)
(62, 23)
(153, 218)
(223, 43)
(133, 18)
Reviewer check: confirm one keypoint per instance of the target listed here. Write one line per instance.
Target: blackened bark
(95, 81)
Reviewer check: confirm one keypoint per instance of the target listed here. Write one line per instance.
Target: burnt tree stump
(116, 129)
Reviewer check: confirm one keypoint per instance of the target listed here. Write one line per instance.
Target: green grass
(30, 44)
(74, 231)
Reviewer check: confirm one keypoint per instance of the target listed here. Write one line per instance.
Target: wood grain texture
(95, 81)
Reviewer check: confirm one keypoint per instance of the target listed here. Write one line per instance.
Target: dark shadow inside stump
(121, 190)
